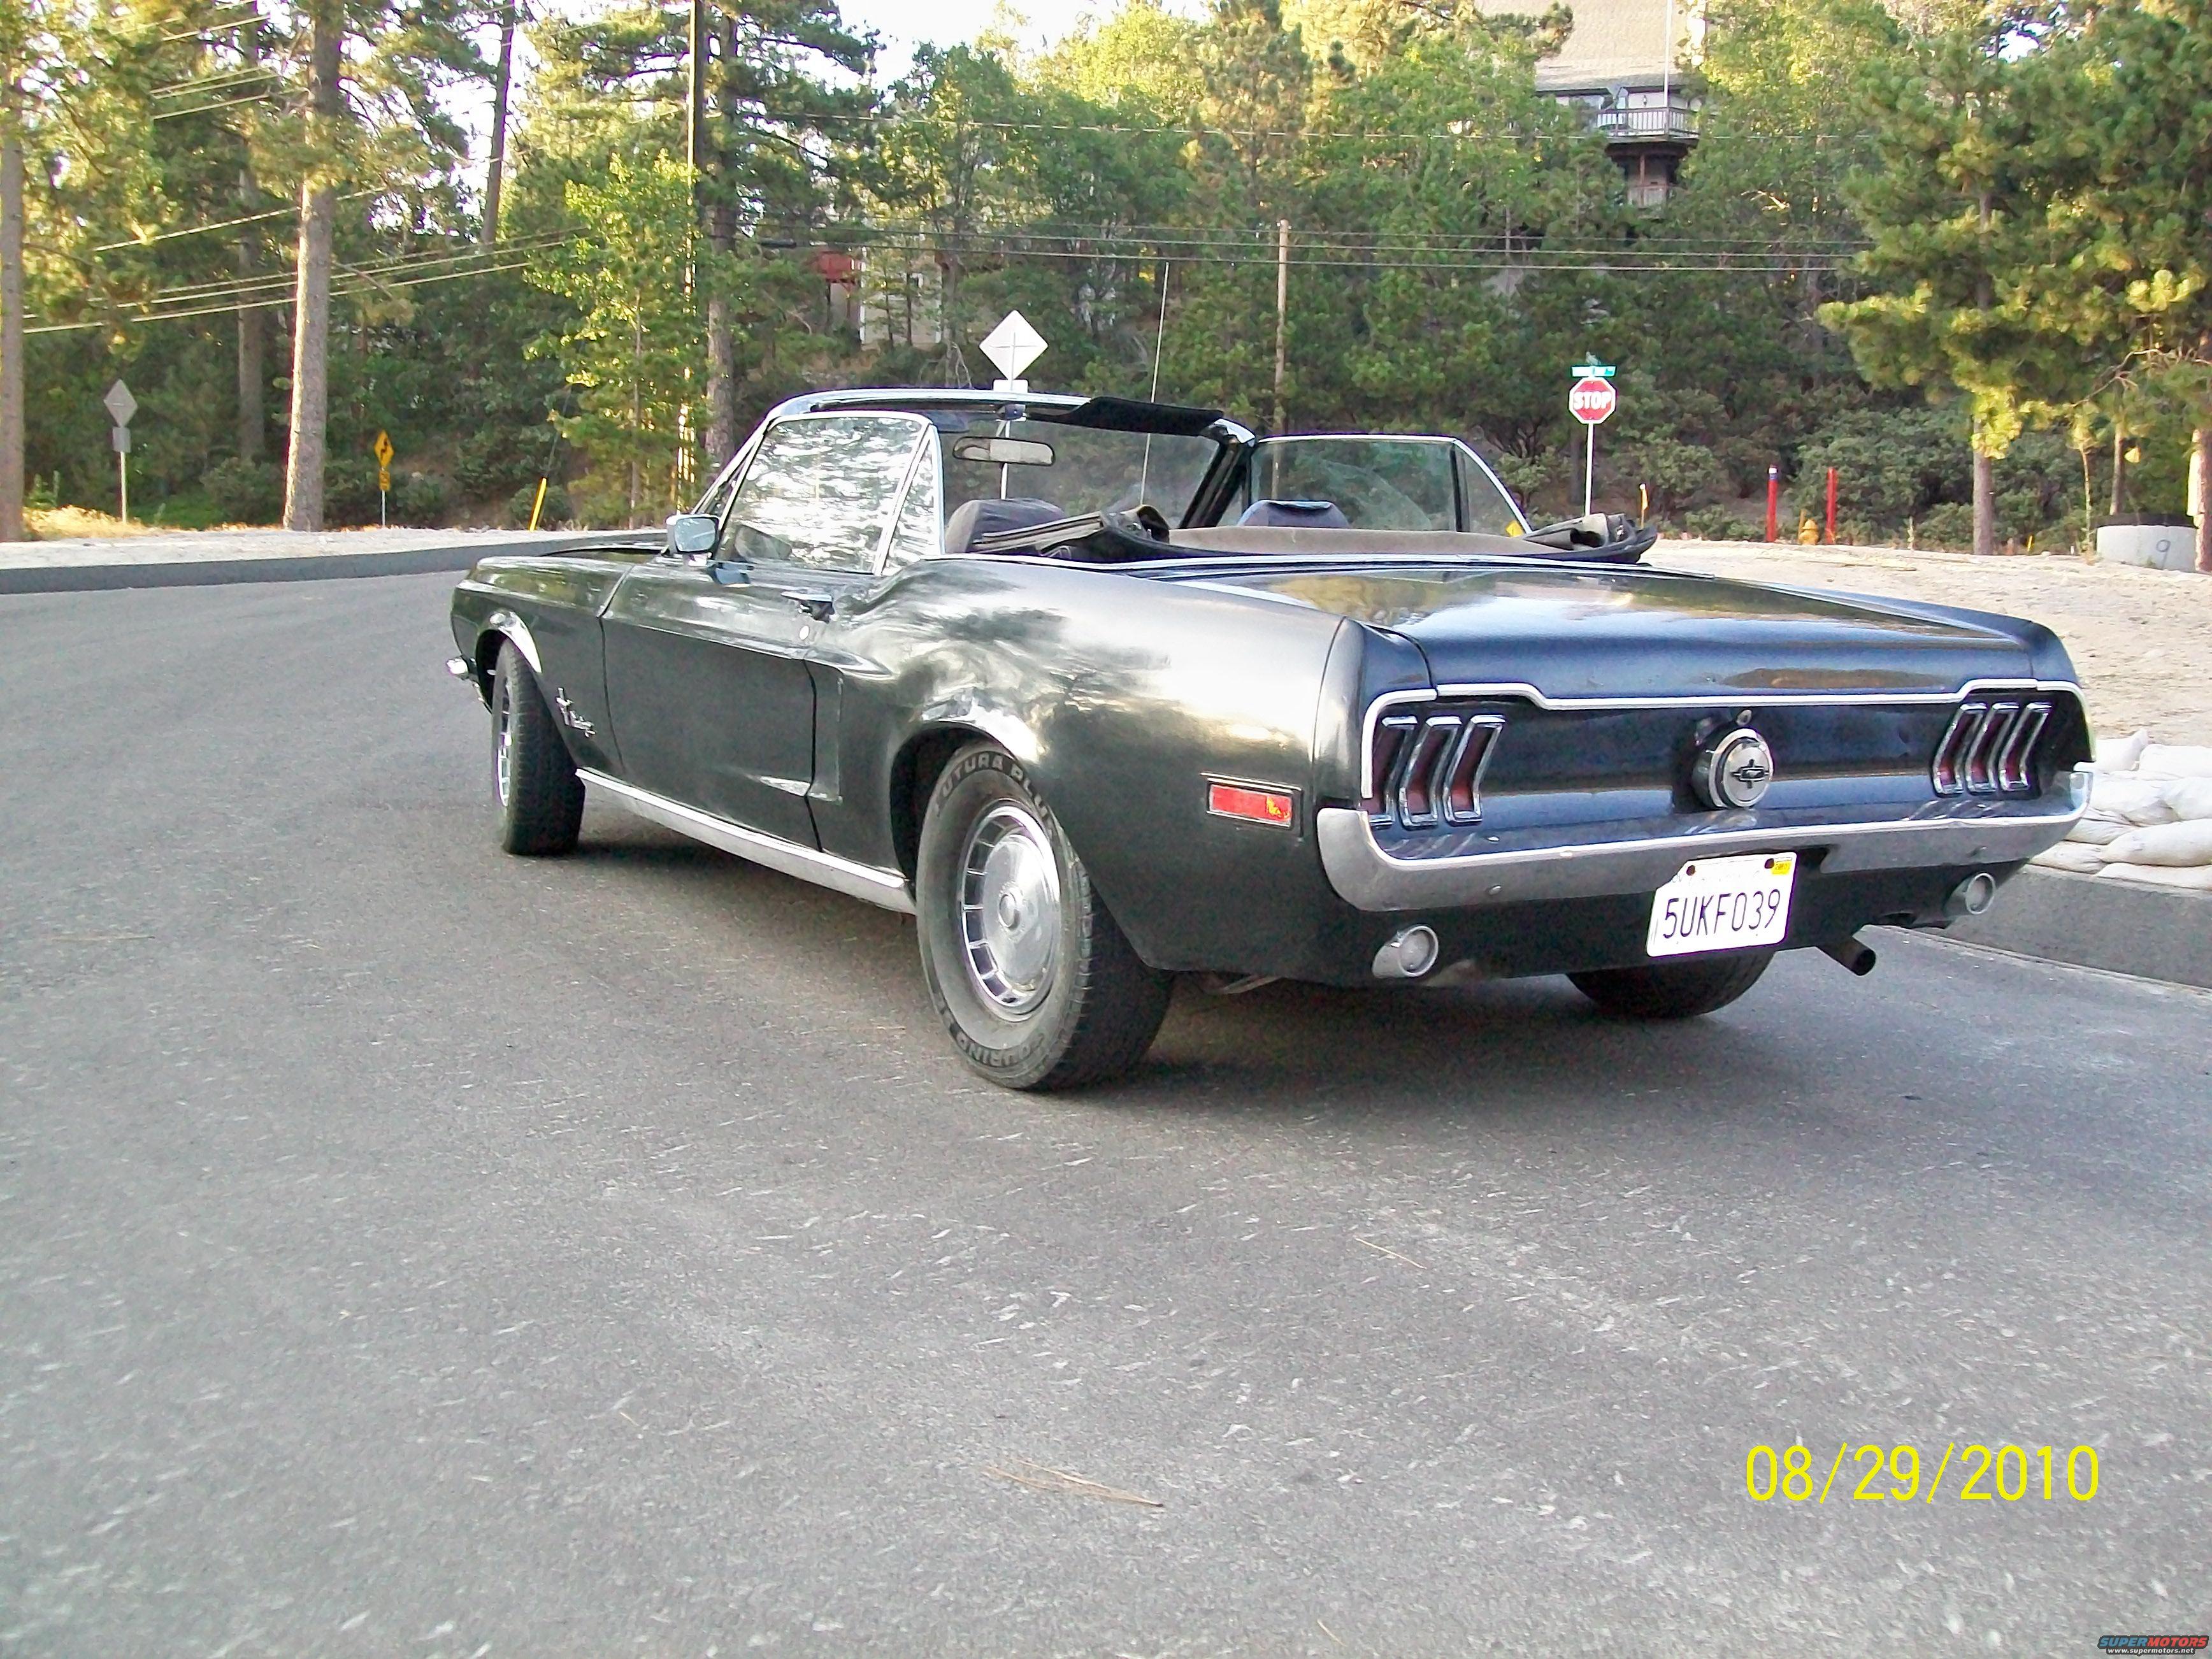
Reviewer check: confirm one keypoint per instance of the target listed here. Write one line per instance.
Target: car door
(708, 657)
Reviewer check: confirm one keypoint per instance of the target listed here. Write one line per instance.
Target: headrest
(992, 517)
(1296, 515)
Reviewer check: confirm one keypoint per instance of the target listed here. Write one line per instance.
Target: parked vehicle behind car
(1063, 678)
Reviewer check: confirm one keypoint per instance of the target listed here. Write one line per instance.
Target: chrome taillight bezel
(1989, 748)
(1424, 767)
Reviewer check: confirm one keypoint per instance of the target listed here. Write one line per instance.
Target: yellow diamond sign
(382, 449)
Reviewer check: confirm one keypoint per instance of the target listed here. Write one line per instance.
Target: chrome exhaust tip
(1407, 955)
(1971, 896)
(460, 668)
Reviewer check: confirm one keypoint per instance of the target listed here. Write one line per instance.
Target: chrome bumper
(1366, 876)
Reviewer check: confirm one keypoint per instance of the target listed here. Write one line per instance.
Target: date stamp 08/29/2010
(1895, 1474)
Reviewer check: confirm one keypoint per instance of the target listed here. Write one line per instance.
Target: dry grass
(68, 523)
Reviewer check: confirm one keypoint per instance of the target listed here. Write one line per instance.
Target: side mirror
(691, 534)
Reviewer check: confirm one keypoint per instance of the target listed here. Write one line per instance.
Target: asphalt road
(409, 1249)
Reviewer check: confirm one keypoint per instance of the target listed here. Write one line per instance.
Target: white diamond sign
(120, 403)
(1013, 345)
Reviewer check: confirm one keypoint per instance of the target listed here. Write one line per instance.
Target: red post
(1773, 503)
(1832, 507)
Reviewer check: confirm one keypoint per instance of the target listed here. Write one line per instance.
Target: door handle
(814, 605)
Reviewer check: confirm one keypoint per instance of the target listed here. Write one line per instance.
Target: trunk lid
(1585, 631)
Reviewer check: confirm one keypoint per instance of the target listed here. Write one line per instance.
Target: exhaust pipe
(1971, 896)
(1851, 954)
(1407, 955)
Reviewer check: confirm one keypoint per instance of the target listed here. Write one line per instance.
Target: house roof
(1612, 41)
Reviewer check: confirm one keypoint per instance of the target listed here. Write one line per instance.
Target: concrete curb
(2152, 933)
(298, 567)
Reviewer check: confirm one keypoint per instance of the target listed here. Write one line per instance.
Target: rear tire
(540, 797)
(1673, 990)
(1035, 981)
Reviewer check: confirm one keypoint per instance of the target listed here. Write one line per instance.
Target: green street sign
(1603, 371)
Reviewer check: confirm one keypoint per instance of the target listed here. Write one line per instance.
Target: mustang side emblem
(568, 714)
(1735, 771)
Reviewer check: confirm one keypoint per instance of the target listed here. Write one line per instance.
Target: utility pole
(1282, 310)
(495, 162)
(695, 102)
(310, 321)
(252, 366)
(11, 312)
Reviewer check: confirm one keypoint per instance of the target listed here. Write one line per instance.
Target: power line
(1484, 256)
(224, 224)
(338, 292)
(1474, 128)
(209, 109)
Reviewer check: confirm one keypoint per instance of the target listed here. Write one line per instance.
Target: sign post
(1591, 401)
(382, 450)
(121, 406)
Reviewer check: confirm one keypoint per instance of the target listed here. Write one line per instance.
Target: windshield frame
(1242, 471)
(1231, 439)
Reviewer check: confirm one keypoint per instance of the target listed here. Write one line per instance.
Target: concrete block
(2154, 933)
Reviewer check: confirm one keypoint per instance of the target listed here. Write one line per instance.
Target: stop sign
(1592, 400)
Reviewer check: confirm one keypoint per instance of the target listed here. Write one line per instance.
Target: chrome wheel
(1010, 915)
(503, 742)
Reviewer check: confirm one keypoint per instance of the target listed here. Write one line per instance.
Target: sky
(904, 24)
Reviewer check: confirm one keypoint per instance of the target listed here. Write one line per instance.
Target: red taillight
(1241, 800)
(1427, 769)
(1392, 735)
(1989, 749)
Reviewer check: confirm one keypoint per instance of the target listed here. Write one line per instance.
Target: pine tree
(1954, 211)
(2127, 157)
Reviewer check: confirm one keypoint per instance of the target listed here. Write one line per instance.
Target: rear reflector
(1239, 800)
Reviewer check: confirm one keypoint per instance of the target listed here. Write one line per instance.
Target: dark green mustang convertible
(1104, 691)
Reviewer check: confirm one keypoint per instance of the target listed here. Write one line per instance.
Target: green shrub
(245, 492)
(349, 491)
(1718, 524)
(418, 498)
(495, 460)
(1891, 464)
(1949, 524)
(1674, 471)
(558, 509)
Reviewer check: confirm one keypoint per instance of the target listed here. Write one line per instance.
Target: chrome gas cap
(1734, 770)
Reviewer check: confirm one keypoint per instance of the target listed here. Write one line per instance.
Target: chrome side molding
(886, 888)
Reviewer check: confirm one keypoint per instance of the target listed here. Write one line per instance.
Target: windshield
(1382, 483)
(1091, 470)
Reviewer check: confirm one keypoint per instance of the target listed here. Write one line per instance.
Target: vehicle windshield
(1091, 469)
(1381, 482)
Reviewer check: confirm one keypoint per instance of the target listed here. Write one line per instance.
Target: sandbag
(2071, 855)
(2189, 798)
(2197, 877)
(2120, 754)
(2164, 843)
(2092, 830)
(2176, 760)
(2139, 801)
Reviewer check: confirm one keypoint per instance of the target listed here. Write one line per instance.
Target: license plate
(1724, 904)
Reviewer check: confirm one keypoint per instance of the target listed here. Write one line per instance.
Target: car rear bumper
(1949, 835)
